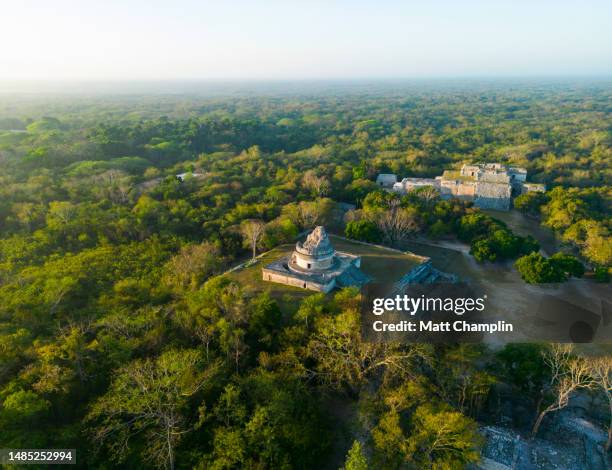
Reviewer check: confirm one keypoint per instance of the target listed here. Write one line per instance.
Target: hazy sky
(310, 39)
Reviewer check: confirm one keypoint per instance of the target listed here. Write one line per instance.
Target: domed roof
(317, 243)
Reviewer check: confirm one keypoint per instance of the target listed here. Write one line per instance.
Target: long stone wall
(360, 242)
(273, 276)
(499, 204)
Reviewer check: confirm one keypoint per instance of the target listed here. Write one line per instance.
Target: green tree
(389, 439)
(483, 250)
(564, 208)
(192, 265)
(364, 230)
(473, 225)
(311, 308)
(264, 320)
(150, 398)
(359, 188)
(602, 274)
(443, 438)
(568, 264)
(24, 404)
(252, 230)
(536, 269)
(356, 459)
(530, 203)
(523, 366)
(22, 417)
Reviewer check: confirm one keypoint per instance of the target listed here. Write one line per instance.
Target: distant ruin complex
(488, 185)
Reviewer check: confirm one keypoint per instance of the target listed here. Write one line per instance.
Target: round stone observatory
(316, 254)
(315, 265)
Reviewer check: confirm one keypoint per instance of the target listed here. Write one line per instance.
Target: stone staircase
(352, 277)
(423, 274)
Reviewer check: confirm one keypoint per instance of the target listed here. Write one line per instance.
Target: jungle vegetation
(119, 335)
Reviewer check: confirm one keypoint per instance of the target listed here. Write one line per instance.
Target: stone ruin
(488, 185)
(316, 265)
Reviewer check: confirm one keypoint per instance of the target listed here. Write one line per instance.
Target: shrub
(473, 226)
(602, 274)
(530, 203)
(362, 230)
(438, 229)
(483, 250)
(502, 244)
(536, 269)
(568, 264)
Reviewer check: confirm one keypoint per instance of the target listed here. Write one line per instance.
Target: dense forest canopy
(110, 265)
(558, 130)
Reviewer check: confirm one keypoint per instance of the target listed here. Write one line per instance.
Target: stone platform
(316, 265)
(345, 272)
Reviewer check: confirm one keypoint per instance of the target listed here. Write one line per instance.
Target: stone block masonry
(316, 265)
(488, 185)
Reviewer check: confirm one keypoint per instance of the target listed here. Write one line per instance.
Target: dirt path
(447, 244)
(509, 298)
(523, 225)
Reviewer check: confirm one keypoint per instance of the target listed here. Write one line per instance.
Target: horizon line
(302, 79)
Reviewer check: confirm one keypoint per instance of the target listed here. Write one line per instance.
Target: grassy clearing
(443, 259)
(250, 277)
(383, 265)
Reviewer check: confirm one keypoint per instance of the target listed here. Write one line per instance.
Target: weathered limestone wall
(386, 180)
(310, 263)
(532, 187)
(519, 174)
(272, 276)
(469, 170)
(499, 204)
(484, 194)
(493, 196)
(409, 184)
(458, 188)
(488, 185)
(493, 177)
